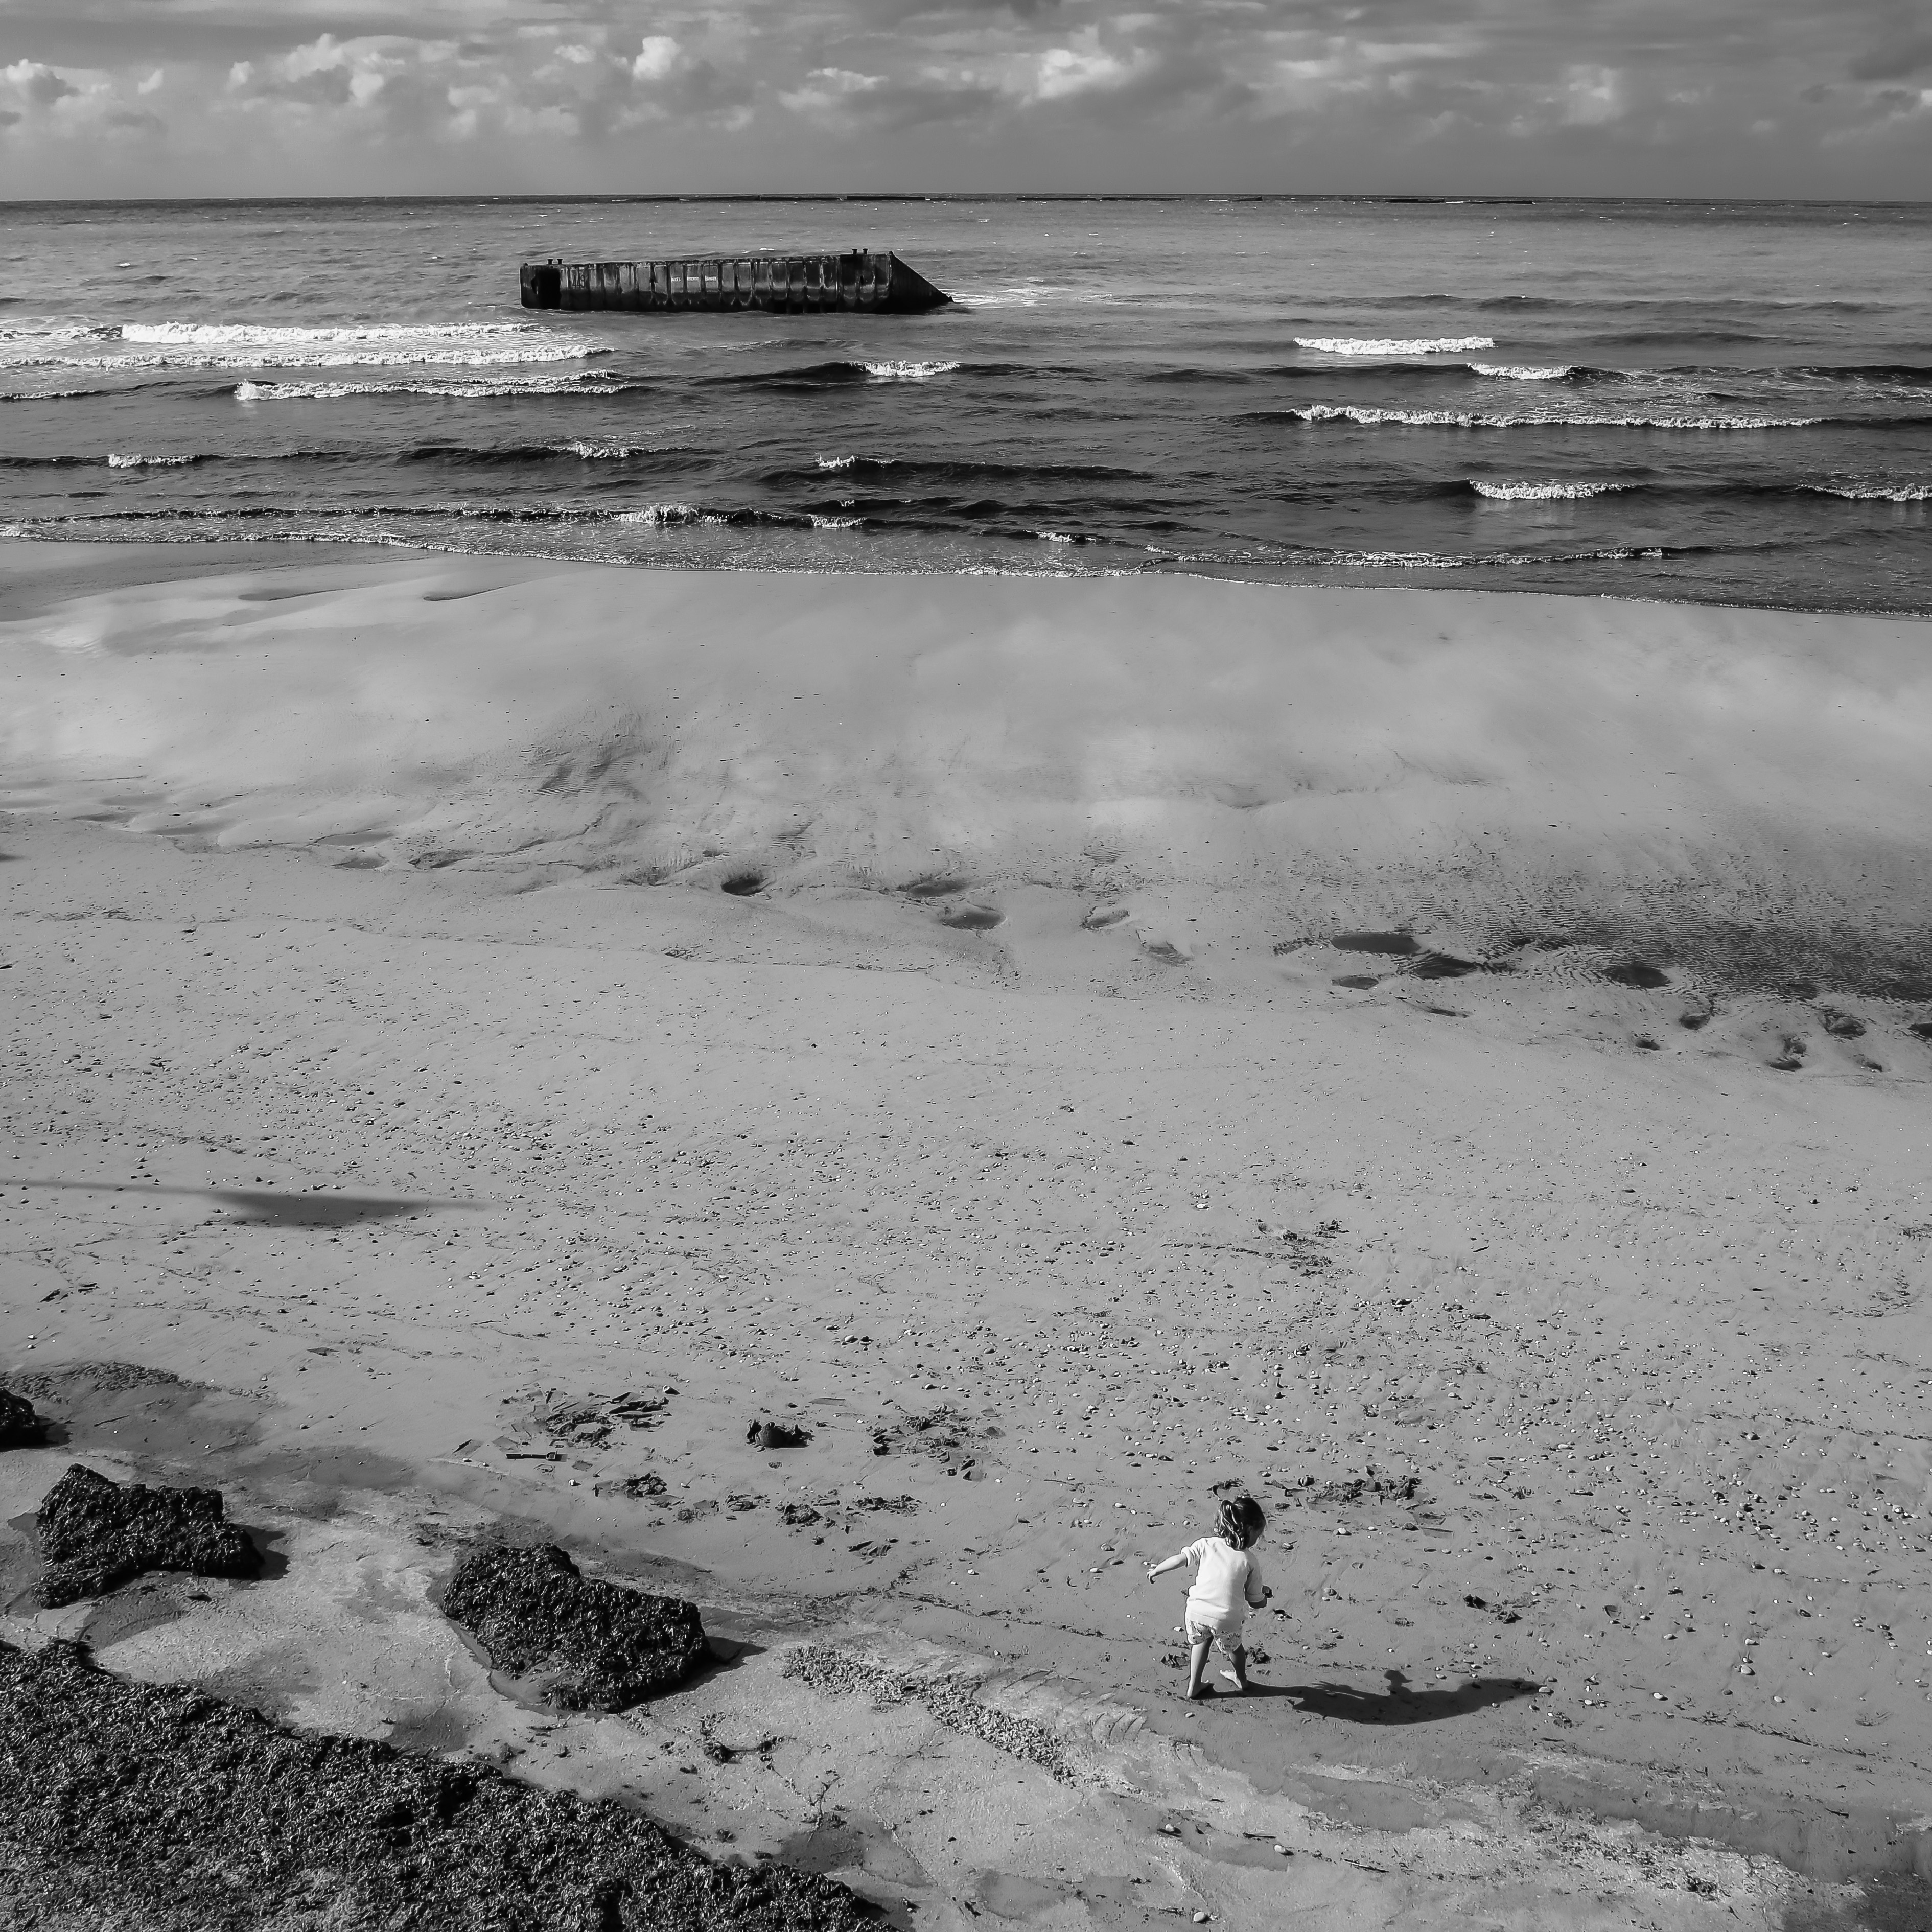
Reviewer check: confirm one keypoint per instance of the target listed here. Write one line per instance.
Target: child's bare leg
(1197, 1662)
(1241, 1667)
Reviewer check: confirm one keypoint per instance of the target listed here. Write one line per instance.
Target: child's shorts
(1225, 1633)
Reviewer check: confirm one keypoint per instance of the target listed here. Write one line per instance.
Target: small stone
(1202, 1918)
(1745, 1670)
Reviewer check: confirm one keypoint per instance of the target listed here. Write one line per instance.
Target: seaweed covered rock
(19, 1425)
(158, 1808)
(592, 1645)
(96, 1534)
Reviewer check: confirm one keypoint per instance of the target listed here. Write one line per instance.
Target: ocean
(1727, 403)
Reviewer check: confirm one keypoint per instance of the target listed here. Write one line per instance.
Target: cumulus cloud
(1467, 95)
(41, 85)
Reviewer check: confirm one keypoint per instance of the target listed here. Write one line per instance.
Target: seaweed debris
(592, 1645)
(158, 1808)
(96, 1535)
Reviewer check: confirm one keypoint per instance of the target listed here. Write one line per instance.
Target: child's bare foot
(1200, 1694)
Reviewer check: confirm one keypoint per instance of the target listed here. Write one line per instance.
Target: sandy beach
(1456, 1066)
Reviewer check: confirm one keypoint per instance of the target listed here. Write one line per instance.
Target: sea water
(1723, 402)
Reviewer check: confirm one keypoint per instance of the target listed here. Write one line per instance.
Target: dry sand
(912, 1008)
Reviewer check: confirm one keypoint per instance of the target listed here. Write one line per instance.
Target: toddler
(1227, 1584)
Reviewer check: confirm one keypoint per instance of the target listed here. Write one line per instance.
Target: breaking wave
(1542, 493)
(583, 382)
(1321, 412)
(1394, 345)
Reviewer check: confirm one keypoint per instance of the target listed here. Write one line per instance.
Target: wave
(1386, 345)
(1544, 492)
(289, 358)
(837, 374)
(578, 382)
(119, 462)
(1321, 412)
(264, 345)
(1873, 493)
(1513, 372)
(908, 372)
(222, 334)
(580, 449)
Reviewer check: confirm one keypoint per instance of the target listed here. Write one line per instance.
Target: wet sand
(1445, 1063)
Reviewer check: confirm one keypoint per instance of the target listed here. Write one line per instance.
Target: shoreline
(1392, 577)
(407, 1155)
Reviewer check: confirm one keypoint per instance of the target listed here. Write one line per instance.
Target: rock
(20, 1427)
(142, 1805)
(766, 1434)
(648, 1484)
(593, 1645)
(96, 1534)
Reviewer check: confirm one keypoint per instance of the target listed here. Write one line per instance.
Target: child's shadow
(1399, 1704)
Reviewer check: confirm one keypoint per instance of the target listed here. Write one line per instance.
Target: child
(1227, 1584)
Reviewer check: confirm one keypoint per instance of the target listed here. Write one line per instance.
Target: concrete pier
(862, 283)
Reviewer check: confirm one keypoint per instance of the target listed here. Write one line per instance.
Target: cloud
(41, 85)
(1086, 68)
(656, 59)
(1467, 96)
(1894, 60)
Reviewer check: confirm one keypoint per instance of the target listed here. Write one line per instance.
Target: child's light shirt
(1227, 1583)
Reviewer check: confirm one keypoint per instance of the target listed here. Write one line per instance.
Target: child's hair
(1240, 1522)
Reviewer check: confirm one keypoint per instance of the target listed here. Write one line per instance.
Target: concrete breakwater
(793, 284)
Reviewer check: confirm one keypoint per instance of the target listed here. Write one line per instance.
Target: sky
(1815, 98)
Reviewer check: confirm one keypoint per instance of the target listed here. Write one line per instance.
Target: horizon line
(1395, 197)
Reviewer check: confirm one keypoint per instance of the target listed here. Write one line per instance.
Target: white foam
(1542, 492)
(1515, 372)
(118, 462)
(819, 523)
(581, 383)
(1876, 493)
(1479, 419)
(1394, 345)
(170, 345)
(223, 335)
(908, 372)
(660, 514)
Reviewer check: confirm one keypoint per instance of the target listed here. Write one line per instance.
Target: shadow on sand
(265, 1208)
(1399, 1704)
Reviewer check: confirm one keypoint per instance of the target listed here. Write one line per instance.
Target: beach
(1455, 1066)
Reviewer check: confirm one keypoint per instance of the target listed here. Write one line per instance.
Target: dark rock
(1637, 972)
(766, 1434)
(95, 1534)
(593, 1645)
(20, 1427)
(155, 1807)
(1396, 943)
